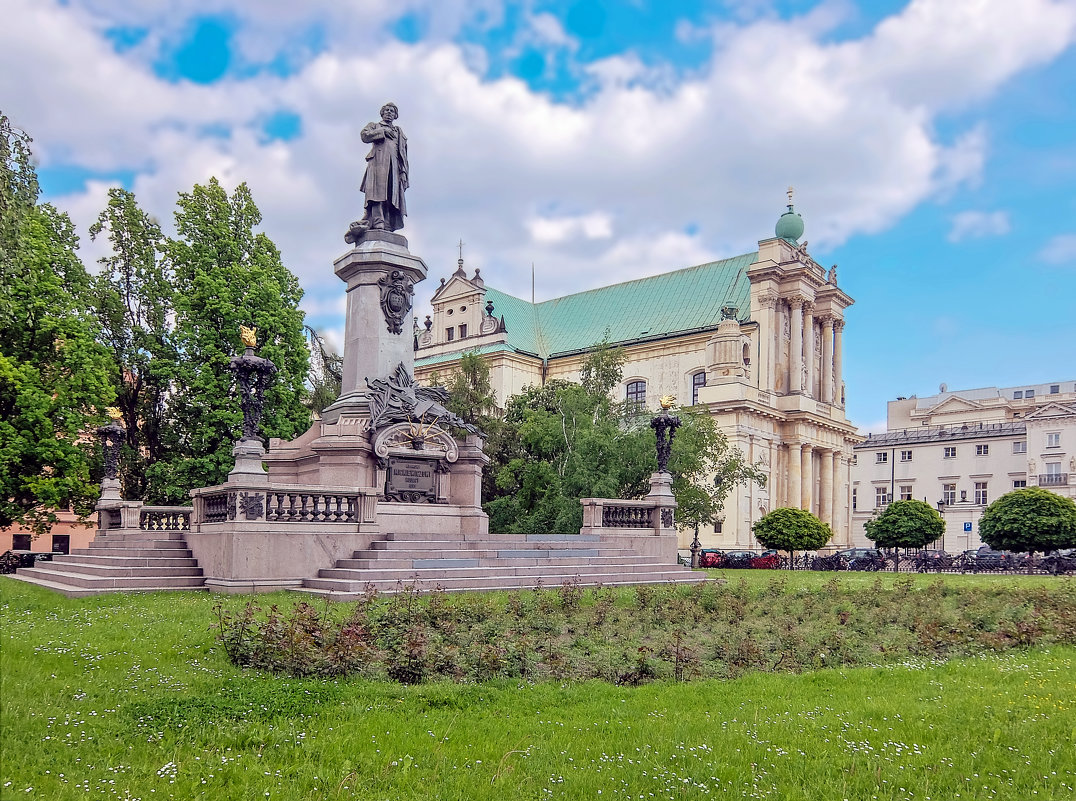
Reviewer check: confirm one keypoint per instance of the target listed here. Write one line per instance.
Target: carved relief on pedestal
(415, 439)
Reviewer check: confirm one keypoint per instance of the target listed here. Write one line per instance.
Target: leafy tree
(53, 373)
(705, 469)
(1029, 519)
(225, 275)
(790, 529)
(566, 441)
(326, 373)
(603, 368)
(133, 299)
(905, 524)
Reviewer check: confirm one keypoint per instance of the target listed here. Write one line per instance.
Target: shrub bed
(646, 633)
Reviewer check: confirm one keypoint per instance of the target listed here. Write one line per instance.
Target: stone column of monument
(379, 271)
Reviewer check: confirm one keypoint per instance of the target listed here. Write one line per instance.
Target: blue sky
(931, 144)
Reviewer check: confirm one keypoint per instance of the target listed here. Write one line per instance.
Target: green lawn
(128, 696)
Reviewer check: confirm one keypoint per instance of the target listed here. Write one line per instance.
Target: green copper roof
(451, 357)
(646, 308)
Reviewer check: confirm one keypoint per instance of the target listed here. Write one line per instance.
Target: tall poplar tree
(225, 275)
(133, 299)
(53, 373)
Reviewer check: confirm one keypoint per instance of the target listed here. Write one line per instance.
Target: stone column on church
(767, 371)
(825, 492)
(838, 327)
(808, 349)
(795, 350)
(827, 359)
(806, 477)
(840, 499)
(794, 483)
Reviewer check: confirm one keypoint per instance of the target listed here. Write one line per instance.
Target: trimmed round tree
(792, 530)
(905, 524)
(1031, 519)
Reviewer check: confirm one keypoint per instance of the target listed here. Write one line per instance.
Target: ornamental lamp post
(112, 435)
(253, 375)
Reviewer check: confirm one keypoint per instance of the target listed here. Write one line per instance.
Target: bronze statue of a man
(386, 173)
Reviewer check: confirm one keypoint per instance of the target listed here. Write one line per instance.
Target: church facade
(755, 339)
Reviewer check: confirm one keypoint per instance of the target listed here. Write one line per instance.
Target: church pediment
(954, 403)
(455, 287)
(1052, 411)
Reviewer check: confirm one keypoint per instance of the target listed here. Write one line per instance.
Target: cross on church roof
(791, 191)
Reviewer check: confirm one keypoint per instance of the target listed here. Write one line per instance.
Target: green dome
(789, 226)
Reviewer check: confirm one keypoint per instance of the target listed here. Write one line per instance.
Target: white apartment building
(961, 450)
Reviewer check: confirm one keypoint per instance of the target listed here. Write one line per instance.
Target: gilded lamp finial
(667, 401)
(249, 336)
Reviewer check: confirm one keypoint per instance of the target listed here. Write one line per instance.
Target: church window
(463, 331)
(698, 380)
(636, 393)
(450, 334)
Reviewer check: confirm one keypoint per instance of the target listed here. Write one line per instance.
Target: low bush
(646, 633)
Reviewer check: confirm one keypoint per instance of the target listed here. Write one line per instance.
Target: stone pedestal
(248, 469)
(110, 490)
(376, 339)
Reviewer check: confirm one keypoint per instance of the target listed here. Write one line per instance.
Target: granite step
(139, 542)
(178, 553)
(126, 561)
(368, 562)
(112, 583)
(96, 569)
(456, 568)
(341, 590)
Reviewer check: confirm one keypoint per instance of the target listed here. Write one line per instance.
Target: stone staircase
(492, 562)
(122, 560)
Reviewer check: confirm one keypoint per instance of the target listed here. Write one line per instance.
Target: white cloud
(975, 224)
(1059, 250)
(645, 156)
(554, 230)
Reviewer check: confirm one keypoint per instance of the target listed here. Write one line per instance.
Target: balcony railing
(1054, 480)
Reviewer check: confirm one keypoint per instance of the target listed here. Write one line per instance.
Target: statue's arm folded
(372, 133)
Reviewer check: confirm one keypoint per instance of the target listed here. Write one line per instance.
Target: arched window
(636, 393)
(697, 380)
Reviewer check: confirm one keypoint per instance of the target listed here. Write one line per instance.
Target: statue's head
(389, 110)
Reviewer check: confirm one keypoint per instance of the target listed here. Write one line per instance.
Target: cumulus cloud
(975, 224)
(644, 156)
(1060, 250)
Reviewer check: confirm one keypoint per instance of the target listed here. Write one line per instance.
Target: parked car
(932, 560)
(767, 560)
(711, 557)
(986, 558)
(862, 558)
(739, 559)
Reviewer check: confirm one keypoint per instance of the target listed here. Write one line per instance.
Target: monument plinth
(380, 274)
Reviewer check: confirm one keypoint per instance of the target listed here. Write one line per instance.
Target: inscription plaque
(411, 480)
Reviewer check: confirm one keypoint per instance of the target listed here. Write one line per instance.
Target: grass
(130, 696)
